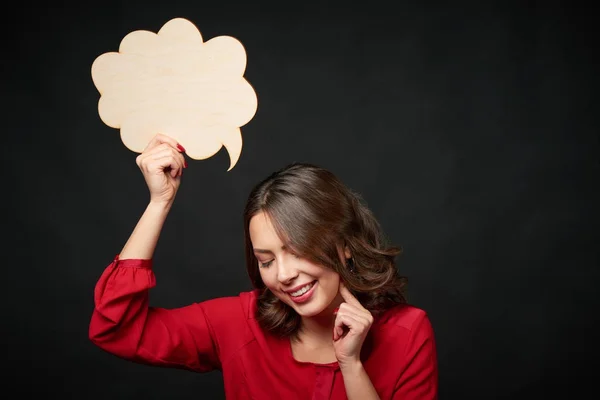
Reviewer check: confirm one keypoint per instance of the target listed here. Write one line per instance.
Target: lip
(306, 296)
(295, 289)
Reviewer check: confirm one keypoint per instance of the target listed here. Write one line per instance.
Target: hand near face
(352, 323)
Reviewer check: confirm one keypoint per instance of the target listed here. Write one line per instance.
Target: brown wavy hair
(313, 213)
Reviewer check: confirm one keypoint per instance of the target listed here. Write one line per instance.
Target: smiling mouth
(302, 290)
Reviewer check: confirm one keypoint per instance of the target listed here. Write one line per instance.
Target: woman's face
(306, 287)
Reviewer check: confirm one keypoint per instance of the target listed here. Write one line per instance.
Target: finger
(168, 164)
(361, 315)
(167, 149)
(166, 158)
(160, 138)
(349, 297)
(149, 154)
(357, 310)
(345, 323)
(162, 149)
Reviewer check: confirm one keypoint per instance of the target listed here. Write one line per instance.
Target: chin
(309, 311)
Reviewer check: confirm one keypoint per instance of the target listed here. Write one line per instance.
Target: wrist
(159, 206)
(351, 367)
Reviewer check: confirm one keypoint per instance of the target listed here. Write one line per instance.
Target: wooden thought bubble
(171, 82)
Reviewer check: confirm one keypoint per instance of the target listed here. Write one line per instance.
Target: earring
(350, 265)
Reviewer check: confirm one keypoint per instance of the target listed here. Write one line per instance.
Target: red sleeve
(419, 380)
(123, 324)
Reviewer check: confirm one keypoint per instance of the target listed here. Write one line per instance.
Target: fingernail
(184, 164)
(180, 148)
(336, 310)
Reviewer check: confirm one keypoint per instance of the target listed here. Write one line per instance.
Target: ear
(347, 252)
(344, 252)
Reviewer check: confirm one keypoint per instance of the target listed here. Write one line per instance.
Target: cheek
(268, 277)
(330, 281)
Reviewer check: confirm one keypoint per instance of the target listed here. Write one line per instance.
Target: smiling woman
(307, 211)
(326, 319)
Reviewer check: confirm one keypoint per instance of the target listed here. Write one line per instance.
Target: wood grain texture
(174, 83)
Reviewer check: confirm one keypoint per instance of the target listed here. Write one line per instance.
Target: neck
(317, 331)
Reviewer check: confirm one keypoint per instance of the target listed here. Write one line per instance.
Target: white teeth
(302, 291)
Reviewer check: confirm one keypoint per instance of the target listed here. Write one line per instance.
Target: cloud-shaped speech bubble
(171, 82)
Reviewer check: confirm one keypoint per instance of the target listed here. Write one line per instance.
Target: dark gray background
(470, 129)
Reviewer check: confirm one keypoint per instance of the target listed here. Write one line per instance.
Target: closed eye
(265, 264)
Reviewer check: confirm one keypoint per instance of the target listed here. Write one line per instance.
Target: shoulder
(249, 300)
(404, 343)
(404, 320)
(241, 305)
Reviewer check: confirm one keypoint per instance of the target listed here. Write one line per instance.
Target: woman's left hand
(352, 323)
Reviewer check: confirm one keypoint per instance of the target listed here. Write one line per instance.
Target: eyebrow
(262, 251)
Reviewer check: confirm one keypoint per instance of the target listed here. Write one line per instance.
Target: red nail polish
(336, 310)
(180, 148)
(184, 164)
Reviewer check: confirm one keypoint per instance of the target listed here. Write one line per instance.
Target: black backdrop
(470, 129)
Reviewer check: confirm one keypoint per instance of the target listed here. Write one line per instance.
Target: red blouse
(399, 354)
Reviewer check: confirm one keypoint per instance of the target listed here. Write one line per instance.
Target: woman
(327, 318)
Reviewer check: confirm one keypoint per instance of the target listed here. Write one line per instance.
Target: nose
(286, 271)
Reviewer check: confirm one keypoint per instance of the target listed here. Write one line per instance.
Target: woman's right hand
(162, 164)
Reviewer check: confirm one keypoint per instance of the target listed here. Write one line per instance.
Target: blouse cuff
(132, 262)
